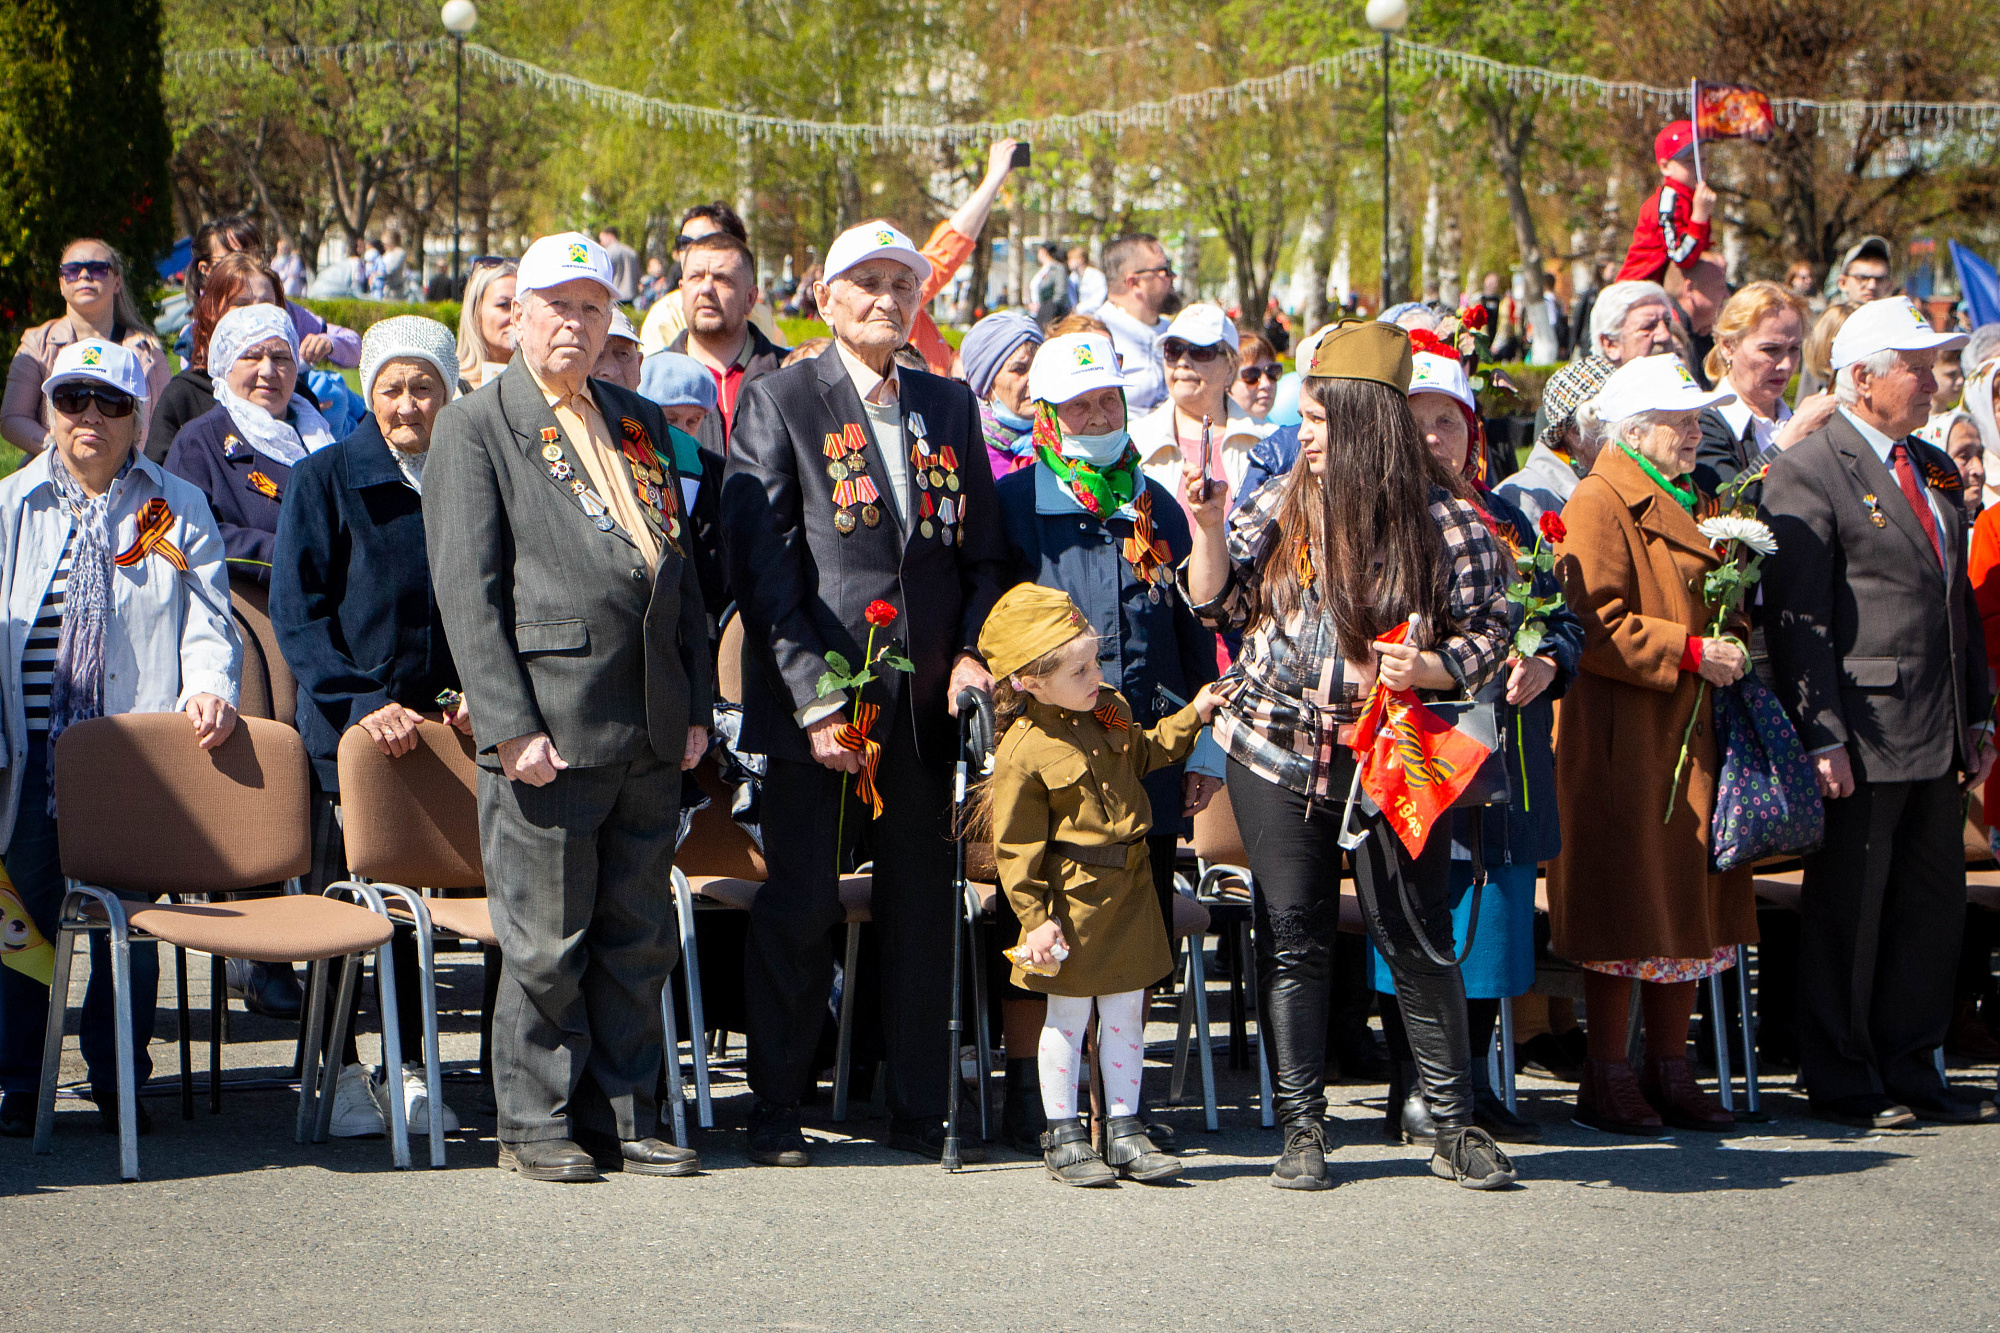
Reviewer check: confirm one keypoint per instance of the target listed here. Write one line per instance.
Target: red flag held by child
(1732, 111)
(1413, 764)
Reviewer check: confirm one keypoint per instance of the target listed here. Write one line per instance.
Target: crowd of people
(537, 528)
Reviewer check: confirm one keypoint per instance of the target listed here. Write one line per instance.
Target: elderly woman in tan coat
(1631, 898)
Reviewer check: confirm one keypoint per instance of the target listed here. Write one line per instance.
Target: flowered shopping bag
(1766, 801)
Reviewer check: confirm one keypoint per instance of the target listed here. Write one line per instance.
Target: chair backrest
(729, 661)
(253, 698)
(143, 808)
(715, 843)
(412, 820)
(279, 691)
(1216, 839)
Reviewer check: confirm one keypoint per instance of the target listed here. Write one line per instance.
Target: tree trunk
(1017, 247)
(1326, 216)
(1511, 138)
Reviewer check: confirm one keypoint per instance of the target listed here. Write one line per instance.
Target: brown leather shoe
(1609, 1099)
(1968, 1038)
(1670, 1086)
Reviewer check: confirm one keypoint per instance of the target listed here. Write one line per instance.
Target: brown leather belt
(1113, 856)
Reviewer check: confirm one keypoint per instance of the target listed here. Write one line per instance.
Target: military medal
(871, 515)
(843, 519)
(559, 470)
(837, 470)
(552, 452)
(917, 425)
(1153, 593)
(1875, 511)
(926, 507)
(232, 448)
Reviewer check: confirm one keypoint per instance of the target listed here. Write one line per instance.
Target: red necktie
(1899, 459)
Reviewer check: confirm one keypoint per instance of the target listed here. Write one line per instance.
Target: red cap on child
(1674, 140)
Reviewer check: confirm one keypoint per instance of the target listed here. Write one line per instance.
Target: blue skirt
(1502, 962)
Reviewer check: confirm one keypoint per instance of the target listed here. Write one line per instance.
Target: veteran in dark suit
(555, 520)
(852, 481)
(1880, 660)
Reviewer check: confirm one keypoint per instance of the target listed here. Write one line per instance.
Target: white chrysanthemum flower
(1732, 528)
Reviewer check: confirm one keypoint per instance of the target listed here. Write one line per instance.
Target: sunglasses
(78, 269)
(1173, 349)
(72, 401)
(1167, 269)
(478, 262)
(1252, 374)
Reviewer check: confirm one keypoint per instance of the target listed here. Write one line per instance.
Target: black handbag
(1489, 719)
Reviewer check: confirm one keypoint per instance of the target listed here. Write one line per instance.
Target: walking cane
(974, 718)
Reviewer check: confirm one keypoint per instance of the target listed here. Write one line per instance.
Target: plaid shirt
(1288, 691)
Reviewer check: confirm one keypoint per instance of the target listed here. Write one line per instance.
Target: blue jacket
(1146, 643)
(1270, 457)
(209, 453)
(351, 598)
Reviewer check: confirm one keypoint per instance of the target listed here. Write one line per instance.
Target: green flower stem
(840, 827)
(1521, 753)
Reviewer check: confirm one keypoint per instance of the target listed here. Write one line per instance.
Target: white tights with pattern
(1120, 1051)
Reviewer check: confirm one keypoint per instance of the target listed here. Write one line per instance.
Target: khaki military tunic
(1059, 777)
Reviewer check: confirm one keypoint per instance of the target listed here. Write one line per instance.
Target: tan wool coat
(1628, 885)
(1064, 776)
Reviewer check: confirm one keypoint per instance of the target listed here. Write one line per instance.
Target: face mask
(1097, 450)
(1008, 419)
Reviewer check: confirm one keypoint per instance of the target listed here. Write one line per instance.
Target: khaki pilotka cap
(1364, 349)
(1028, 621)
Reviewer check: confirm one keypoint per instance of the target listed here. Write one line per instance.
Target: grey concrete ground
(1790, 1225)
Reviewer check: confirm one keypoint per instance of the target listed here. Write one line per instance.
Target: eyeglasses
(73, 400)
(78, 269)
(1167, 269)
(1173, 349)
(478, 262)
(1252, 374)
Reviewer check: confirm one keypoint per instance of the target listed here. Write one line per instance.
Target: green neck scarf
(1684, 496)
(1101, 491)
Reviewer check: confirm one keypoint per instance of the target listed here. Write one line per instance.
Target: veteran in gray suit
(556, 526)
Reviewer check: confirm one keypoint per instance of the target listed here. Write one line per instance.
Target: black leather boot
(1292, 986)
(1021, 1117)
(1069, 1158)
(1132, 1154)
(1433, 1005)
(1407, 1117)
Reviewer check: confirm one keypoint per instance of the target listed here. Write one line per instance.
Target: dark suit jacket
(1875, 646)
(765, 357)
(351, 594)
(1728, 455)
(209, 453)
(802, 586)
(557, 627)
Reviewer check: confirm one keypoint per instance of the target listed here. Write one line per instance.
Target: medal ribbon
(263, 485)
(156, 520)
(1146, 554)
(854, 736)
(1108, 715)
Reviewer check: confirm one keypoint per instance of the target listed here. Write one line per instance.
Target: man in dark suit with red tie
(1881, 662)
(852, 481)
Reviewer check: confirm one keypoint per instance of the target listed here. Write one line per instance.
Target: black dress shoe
(641, 1157)
(17, 1115)
(1864, 1110)
(1951, 1106)
(775, 1136)
(926, 1139)
(269, 989)
(549, 1159)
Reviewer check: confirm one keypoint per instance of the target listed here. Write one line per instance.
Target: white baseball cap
(1203, 325)
(1072, 365)
(621, 325)
(1654, 384)
(1892, 324)
(1431, 373)
(95, 361)
(874, 240)
(564, 257)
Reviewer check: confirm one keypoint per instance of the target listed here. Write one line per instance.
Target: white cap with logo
(1893, 324)
(874, 240)
(1203, 325)
(1654, 384)
(1431, 373)
(1073, 365)
(564, 257)
(621, 325)
(96, 361)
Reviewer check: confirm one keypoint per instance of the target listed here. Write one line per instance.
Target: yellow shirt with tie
(609, 474)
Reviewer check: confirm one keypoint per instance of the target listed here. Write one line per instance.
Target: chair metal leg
(309, 1065)
(336, 1043)
(181, 1032)
(392, 1058)
(1198, 982)
(1937, 1058)
(52, 1037)
(1723, 1077)
(697, 1013)
(1506, 1054)
(121, 998)
(1183, 1024)
(218, 1027)
(846, 1047)
(1752, 1102)
(433, 1058)
(1268, 1113)
(676, 1097)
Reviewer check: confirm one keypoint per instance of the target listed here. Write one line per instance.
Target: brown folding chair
(411, 827)
(270, 690)
(146, 812)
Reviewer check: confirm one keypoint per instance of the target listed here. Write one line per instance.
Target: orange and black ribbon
(1307, 574)
(854, 736)
(263, 485)
(658, 496)
(156, 520)
(1147, 554)
(1108, 714)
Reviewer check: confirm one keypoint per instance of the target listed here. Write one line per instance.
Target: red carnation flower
(1552, 527)
(1473, 316)
(1424, 341)
(879, 613)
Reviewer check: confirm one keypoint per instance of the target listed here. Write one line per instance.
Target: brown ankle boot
(1609, 1099)
(1671, 1088)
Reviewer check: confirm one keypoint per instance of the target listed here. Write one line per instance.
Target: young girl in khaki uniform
(1070, 819)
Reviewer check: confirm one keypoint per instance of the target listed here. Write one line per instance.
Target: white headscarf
(303, 430)
(1977, 403)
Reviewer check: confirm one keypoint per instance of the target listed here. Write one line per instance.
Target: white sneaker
(355, 1112)
(417, 1101)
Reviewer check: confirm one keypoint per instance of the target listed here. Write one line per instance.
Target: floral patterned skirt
(1667, 971)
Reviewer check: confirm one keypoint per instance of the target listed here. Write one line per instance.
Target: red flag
(1413, 764)
(1732, 111)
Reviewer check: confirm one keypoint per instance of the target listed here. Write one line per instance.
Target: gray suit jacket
(1873, 644)
(555, 626)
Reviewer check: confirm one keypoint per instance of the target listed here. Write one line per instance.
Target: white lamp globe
(1388, 15)
(459, 16)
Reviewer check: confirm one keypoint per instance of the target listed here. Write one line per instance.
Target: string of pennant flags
(1259, 94)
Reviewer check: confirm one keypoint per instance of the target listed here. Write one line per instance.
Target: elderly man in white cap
(1881, 661)
(620, 360)
(857, 501)
(117, 601)
(555, 518)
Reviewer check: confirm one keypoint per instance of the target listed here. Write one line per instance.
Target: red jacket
(1664, 234)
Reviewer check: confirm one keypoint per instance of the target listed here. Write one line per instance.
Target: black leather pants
(1297, 860)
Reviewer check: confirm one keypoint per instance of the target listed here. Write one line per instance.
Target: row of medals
(649, 483)
(930, 470)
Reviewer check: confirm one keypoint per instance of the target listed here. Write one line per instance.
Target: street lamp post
(1387, 17)
(458, 17)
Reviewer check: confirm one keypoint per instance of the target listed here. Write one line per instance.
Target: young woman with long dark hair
(1365, 532)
